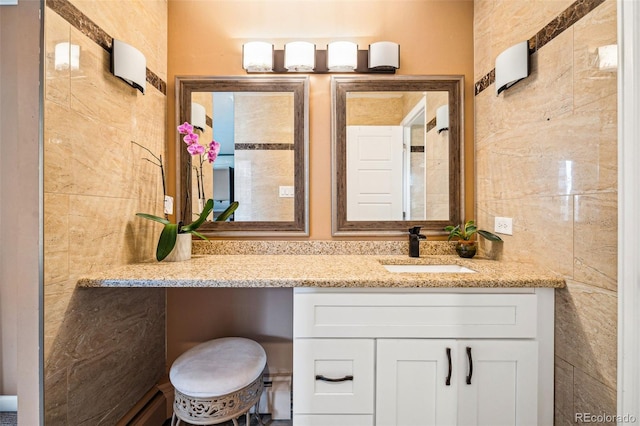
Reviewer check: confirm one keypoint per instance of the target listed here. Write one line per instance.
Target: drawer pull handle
(470, 365)
(448, 381)
(327, 379)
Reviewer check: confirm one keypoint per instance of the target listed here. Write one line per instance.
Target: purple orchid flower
(191, 138)
(195, 149)
(185, 128)
(214, 149)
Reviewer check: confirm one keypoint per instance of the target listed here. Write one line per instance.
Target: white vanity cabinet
(423, 357)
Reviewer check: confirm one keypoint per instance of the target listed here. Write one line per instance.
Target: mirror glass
(397, 149)
(260, 124)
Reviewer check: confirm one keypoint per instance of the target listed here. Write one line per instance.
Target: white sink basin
(457, 269)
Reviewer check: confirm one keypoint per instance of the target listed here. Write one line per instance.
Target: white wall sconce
(129, 64)
(442, 118)
(342, 56)
(384, 55)
(257, 56)
(67, 56)
(198, 116)
(608, 57)
(512, 65)
(300, 56)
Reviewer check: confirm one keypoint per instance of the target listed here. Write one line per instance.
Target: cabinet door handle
(327, 379)
(448, 381)
(470, 365)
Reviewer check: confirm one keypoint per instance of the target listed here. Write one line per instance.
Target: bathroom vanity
(393, 340)
(423, 356)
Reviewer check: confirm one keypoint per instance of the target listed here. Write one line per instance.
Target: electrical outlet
(504, 225)
(168, 204)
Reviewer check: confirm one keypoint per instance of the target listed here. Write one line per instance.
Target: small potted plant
(466, 247)
(174, 243)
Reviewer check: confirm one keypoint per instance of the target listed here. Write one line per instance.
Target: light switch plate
(286, 191)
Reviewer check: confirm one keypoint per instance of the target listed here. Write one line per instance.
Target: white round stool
(217, 381)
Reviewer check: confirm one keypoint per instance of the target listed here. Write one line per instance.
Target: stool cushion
(218, 367)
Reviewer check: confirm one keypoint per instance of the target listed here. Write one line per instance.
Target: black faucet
(414, 241)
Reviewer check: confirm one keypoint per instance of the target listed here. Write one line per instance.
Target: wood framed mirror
(262, 127)
(396, 154)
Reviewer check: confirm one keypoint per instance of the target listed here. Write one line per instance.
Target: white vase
(182, 250)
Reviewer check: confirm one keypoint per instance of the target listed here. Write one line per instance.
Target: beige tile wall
(263, 119)
(103, 349)
(206, 100)
(546, 156)
(437, 162)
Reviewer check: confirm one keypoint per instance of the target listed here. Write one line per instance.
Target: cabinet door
(333, 376)
(411, 387)
(503, 376)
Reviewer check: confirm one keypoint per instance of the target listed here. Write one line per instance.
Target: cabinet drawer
(319, 362)
(442, 315)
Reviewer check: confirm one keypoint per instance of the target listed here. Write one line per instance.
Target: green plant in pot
(169, 234)
(177, 235)
(466, 247)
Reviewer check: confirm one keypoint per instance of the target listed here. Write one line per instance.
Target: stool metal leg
(257, 413)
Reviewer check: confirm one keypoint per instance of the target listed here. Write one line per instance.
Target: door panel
(374, 173)
(411, 383)
(503, 389)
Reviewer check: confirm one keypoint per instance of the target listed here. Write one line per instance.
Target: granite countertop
(345, 271)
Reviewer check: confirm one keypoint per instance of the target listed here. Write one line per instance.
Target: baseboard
(9, 403)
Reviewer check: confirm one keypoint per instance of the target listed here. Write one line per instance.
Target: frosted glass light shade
(129, 64)
(512, 65)
(342, 56)
(442, 118)
(384, 55)
(67, 56)
(257, 56)
(300, 56)
(198, 116)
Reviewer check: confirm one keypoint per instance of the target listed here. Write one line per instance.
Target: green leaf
(453, 231)
(489, 236)
(154, 218)
(167, 240)
(203, 216)
(199, 235)
(228, 212)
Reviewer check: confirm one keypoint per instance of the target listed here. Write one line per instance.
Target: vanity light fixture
(384, 55)
(300, 56)
(129, 64)
(198, 116)
(442, 118)
(257, 56)
(67, 56)
(512, 65)
(342, 56)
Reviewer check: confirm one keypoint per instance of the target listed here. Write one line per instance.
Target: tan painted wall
(546, 155)
(20, 207)
(212, 45)
(104, 348)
